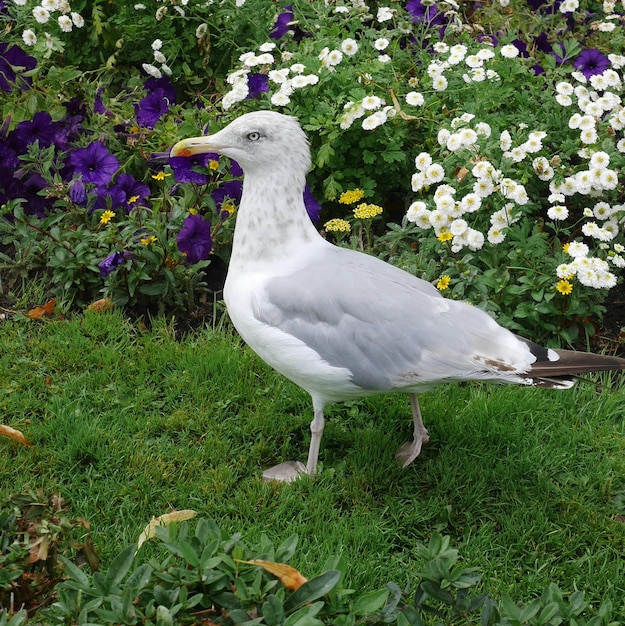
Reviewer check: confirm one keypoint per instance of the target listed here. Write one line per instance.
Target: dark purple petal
(232, 190)
(184, 168)
(113, 261)
(313, 208)
(194, 239)
(77, 192)
(151, 108)
(95, 164)
(135, 192)
(152, 84)
(591, 62)
(257, 83)
(13, 61)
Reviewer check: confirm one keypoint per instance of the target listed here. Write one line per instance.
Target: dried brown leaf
(14, 434)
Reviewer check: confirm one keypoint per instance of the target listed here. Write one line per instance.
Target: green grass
(127, 424)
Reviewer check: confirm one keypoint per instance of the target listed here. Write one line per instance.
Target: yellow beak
(194, 145)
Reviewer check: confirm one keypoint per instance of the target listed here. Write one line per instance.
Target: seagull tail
(560, 369)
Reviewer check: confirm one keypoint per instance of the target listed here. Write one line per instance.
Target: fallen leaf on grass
(14, 434)
(163, 520)
(103, 304)
(288, 575)
(38, 312)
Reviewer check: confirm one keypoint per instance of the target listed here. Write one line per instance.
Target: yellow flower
(445, 236)
(564, 287)
(193, 211)
(337, 225)
(229, 208)
(133, 199)
(213, 165)
(106, 217)
(443, 283)
(365, 211)
(160, 176)
(351, 195)
(146, 241)
(565, 248)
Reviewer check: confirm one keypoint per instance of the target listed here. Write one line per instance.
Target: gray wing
(388, 328)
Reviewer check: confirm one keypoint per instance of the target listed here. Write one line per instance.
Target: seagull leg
(292, 470)
(410, 451)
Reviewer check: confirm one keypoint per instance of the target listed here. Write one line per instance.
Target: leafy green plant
(34, 533)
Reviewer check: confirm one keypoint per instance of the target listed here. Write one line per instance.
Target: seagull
(343, 324)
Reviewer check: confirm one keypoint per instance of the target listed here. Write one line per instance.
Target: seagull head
(260, 142)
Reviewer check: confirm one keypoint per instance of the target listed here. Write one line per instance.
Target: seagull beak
(195, 145)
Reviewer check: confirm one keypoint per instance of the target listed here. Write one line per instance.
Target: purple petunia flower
(313, 208)
(425, 13)
(151, 108)
(78, 192)
(152, 84)
(232, 189)
(183, 168)
(112, 262)
(98, 105)
(194, 239)
(591, 62)
(11, 58)
(257, 84)
(135, 192)
(285, 23)
(94, 163)
(41, 128)
(109, 198)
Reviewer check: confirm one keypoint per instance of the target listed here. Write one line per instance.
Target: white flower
(384, 14)
(157, 44)
(333, 58)
(159, 57)
(602, 210)
(415, 211)
(505, 140)
(458, 227)
(509, 51)
(374, 120)
(201, 30)
(495, 235)
(470, 203)
(78, 20)
(439, 83)
(65, 23)
(279, 76)
(454, 142)
(20, 3)
(265, 58)
(482, 128)
(151, 70)
(475, 239)
(371, 103)
(422, 161)
(298, 68)
(415, 99)
(557, 212)
(418, 181)
(600, 160)
(267, 46)
(588, 136)
(166, 69)
(349, 47)
(381, 43)
(434, 173)
(139, 6)
(41, 15)
(577, 249)
(29, 37)
(50, 5)
(443, 136)
(384, 58)
(569, 6)
(280, 98)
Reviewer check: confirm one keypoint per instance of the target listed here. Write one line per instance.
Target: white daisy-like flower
(564, 100)
(495, 235)
(65, 23)
(268, 46)
(381, 43)
(458, 227)
(557, 212)
(298, 68)
(418, 181)
(415, 209)
(157, 44)
(609, 179)
(435, 173)
(280, 98)
(333, 58)
(77, 19)
(470, 203)
(374, 120)
(50, 5)
(278, 76)
(475, 239)
(454, 142)
(29, 37)
(445, 203)
(385, 14)
(159, 57)
(577, 249)
(151, 70)
(266, 58)
(415, 99)
(439, 83)
(484, 129)
(600, 160)
(588, 136)
(371, 103)
(505, 140)
(443, 136)
(20, 3)
(422, 161)
(41, 15)
(509, 51)
(565, 271)
(349, 47)
(602, 210)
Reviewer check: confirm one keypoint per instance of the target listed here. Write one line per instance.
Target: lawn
(127, 423)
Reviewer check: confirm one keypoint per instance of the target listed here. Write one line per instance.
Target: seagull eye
(253, 136)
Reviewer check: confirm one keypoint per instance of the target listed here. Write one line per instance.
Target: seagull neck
(272, 222)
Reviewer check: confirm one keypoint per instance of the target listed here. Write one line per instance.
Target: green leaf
(305, 616)
(286, 550)
(370, 602)
(273, 611)
(119, 567)
(313, 589)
